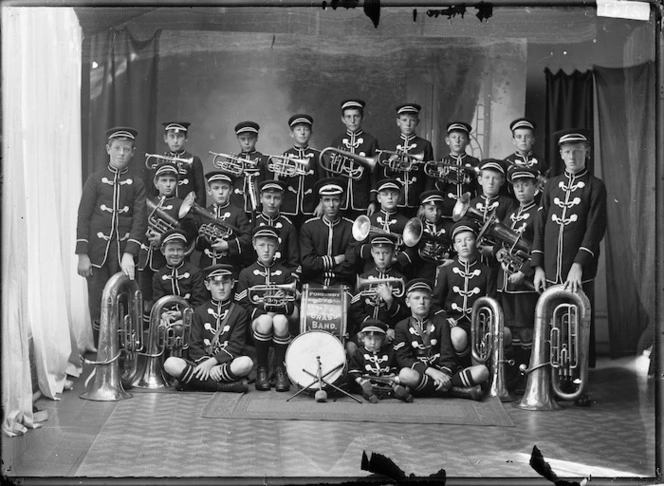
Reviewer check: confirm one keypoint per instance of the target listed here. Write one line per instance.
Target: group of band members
(412, 329)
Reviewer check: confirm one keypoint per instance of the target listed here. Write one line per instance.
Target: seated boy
(269, 316)
(190, 175)
(215, 361)
(435, 246)
(245, 187)
(425, 354)
(373, 365)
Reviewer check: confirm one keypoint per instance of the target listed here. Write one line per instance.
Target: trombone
(157, 160)
(369, 286)
(451, 173)
(412, 232)
(399, 161)
(287, 166)
(233, 164)
(347, 164)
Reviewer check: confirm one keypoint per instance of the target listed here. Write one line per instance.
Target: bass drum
(302, 358)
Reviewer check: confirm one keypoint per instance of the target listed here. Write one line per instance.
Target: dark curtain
(626, 106)
(122, 80)
(569, 104)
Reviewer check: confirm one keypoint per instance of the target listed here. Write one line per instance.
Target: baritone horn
(347, 164)
(412, 232)
(368, 286)
(214, 229)
(399, 161)
(273, 295)
(233, 164)
(564, 317)
(159, 222)
(287, 166)
(451, 173)
(152, 161)
(116, 330)
(487, 327)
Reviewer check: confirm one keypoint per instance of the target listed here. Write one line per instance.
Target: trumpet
(273, 295)
(451, 173)
(214, 229)
(369, 286)
(233, 164)
(344, 163)
(399, 161)
(287, 166)
(152, 161)
(412, 232)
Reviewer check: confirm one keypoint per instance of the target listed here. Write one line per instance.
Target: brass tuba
(487, 326)
(367, 286)
(412, 232)
(568, 328)
(347, 164)
(116, 329)
(162, 336)
(451, 173)
(399, 161)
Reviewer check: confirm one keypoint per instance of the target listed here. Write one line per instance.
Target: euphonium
(487, 327)
(563, 316)
(115, 329)
(233, 164)
(433, 249)
(159, 222)
(368, 286)
(214, 229)
(412, 232)
(152, 161)
(344, 163)
(287, 166)
(162, 336)
(399, 161)
(451, 173)
(273, 295)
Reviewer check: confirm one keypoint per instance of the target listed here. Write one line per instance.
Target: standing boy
(190, 173)
(245, 187)
(523, 138)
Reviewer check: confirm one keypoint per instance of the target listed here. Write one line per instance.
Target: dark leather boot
(240, 386)
(470, 393)
(368, 393)
(402, 393)
(262, 381)
(282, 384)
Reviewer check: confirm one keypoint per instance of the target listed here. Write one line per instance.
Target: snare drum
(302, 354)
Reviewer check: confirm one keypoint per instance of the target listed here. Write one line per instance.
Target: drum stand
(319, 379)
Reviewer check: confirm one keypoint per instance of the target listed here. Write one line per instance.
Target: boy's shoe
(470, 393)
(368, 393)
(282, 384)
(402, 393)
(240, 386)
(262, 382)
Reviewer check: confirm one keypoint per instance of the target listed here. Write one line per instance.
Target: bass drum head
(302, 354)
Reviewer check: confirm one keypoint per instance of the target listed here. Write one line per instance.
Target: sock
(425, 386)
(464, 379)
(262, 342)
(280, 346)
(189, 382)
(226, 374)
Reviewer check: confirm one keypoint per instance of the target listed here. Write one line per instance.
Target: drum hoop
(340, 373)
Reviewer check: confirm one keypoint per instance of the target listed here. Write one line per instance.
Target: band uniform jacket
(320, 241)
(300, 197)
(451, 191)
(190, 176)
(392, 223)
(425, 267)
(184, 280)
(239, 244)
(259, 274)
(373, 307)
(207, 320)
(522, 220)
(531, 161)
(373, 363)
(420, 344)
(459, 285)
(571, 225)
(412, 182)
(249, 181)
(359, 193)
(499, 205)
(288, 252)
(112, 208)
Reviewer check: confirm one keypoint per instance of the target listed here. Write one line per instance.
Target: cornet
(287, 166)
(273, 295)
(215, 229)
(399, 161)
(152, 161)
(369, 286)
(412, 232)
(344, 163)
(451, 173)
(159, 222)
(233, 164)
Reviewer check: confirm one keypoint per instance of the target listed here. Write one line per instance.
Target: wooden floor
(168, 438)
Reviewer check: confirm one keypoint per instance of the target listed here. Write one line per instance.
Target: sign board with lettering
(324, 309)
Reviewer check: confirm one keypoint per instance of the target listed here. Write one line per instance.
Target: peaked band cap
(373, 325)
(272, 185)
(352, 103)
(121, 132)
(382, 240)
(166, 168)
(464, 225)
(218, 176)
(174, 235)
(573, 135)
(385, 184)
(300, 118)
(176, 126)
(408, 108)
(432, 197)
(419, 284)
(330, 186)
(515, 173)
(459, 127)
(522, 123)
(219, 272)
(265, 232)
(493, 164)
(246, 127)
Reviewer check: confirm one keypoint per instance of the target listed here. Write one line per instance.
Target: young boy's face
(419, 302)
(120, 152)
(432, 212)
(574, 155)
(265, 249)
(175, 140)
(373, 340)
(173, 252)
(407, 123)
(247, 141)
(388, 199)
(220, 290)
(166, 185)
(464, 244)
(331, 206)
(220, 192)
(352, 118)
(523, 139)
(382, 256)
(457, 142)
(491, 181)
(524, 190)
(271, 201)
(301, 133)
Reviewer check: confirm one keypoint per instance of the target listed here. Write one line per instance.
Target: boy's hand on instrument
(516, 278)
(384, 291)
(339, 259)
(221, 245)
(574, 277)
(84, 266)
(127, 265)
(485, 250)
(154, 238)
(540, 280)
(202, 370)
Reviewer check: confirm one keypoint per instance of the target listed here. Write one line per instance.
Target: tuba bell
(363, 229)
(567, 325)
(487, 326)
(347, 164)
(116, 328)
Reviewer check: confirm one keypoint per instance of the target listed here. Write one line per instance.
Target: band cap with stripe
(464, 225)
(265, 232)
(572, 135)
(515, 173)
(387, 184)
(458, 126)
(380, 240)
(174, 235)
(523, 123)
(247, 127)
(166, 168)
(218, 176)
(219, 272)
(176, 126)
(272, 185)
(408, 109)
(121, 132)
(300, 119)
(330, 186)
(432, 197)
(419, 284)
(373, 325)
(493, 164)
(353, 103)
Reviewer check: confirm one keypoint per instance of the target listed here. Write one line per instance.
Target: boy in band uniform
(571, 225)
(245, 187)
(269, 320)
(412, 182)
(360, 194)
(236, 246)
(523, 138)
(327, 247)
(190, 175)
(437, 251)
(300, 200)
(288, 251)
(425, 355)
(111, 219)
(215, 360)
